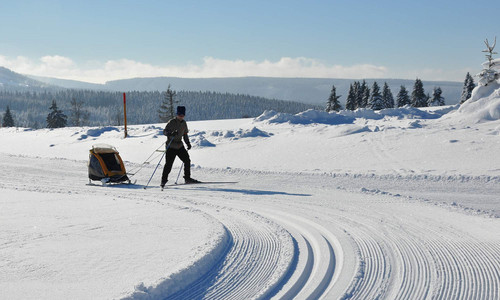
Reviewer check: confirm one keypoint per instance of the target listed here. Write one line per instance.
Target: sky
(98, 41)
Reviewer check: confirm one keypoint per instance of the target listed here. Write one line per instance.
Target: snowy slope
(400, 203)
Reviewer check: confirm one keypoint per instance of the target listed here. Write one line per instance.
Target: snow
(396, 203)
(53, 241)
(484, 104)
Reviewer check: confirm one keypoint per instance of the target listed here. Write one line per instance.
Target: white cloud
(64, 67)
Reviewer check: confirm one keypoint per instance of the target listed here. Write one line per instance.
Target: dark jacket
(176, 130)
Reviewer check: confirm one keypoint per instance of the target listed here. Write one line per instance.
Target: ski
(203, 182)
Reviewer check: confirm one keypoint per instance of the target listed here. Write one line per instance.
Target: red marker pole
(125, 113)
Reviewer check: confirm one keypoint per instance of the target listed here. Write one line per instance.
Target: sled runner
(106, 165)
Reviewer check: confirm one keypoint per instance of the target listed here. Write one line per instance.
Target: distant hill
(306, 90)
(14, 81)
(69, 84)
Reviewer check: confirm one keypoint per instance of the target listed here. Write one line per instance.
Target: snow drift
(349, 116)
(483, 106)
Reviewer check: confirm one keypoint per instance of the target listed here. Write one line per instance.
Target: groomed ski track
(308, 236)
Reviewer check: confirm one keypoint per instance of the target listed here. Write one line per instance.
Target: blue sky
(104, 40)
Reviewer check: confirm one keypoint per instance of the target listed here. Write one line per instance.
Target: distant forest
(30, 108)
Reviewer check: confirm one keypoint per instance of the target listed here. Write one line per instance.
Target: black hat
(181, 110)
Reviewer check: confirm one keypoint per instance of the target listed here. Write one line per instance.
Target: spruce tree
(376, 102)
(56, 118)
(356, 89)
(418, 96)
(437, 99)
(469, 85)
(402, 97)
(333, 103)
(350, 103)
(8, 120)
(387, 96)
(167, 107)
(365, 95)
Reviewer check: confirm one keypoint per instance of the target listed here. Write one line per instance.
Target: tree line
(360, 95)
(103, 108)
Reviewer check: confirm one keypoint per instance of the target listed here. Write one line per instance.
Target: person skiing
(176, 130)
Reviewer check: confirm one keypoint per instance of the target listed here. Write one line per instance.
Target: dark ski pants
(170, 157)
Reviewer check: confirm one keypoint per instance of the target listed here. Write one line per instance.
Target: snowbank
(304, 118)
(406, 112)
(483, 106)
(217, 248)
(349, 116)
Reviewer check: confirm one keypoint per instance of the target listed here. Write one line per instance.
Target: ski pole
(179, 173)
(135, 171)
(158, 164)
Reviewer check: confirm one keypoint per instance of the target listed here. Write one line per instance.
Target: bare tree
(490, 52)
(78, 116)
(489, 74)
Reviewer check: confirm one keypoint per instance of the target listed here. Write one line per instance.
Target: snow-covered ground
(401, 203)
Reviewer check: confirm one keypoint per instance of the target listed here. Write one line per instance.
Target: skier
(176, 131)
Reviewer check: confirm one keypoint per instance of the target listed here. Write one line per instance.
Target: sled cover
(105, 162)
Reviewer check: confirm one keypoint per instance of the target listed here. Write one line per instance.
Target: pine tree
(418, 96)
(402, 97)
(350, 103)
(166, 111)
(56, 118)
(333, 103)
(437, 99)
(356, 89)
(469, 85)
(365, 95)
(376, 102)
(78, 116)
(8, 120)
(387, 96)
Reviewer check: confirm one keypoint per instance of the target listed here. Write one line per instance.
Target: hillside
(306, 90)
(13, 81)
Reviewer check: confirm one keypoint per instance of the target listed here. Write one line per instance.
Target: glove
(189, 146)
(173, 134)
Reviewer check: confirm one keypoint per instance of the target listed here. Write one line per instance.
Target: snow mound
(96, 132)
(199, 139)
(241, 133)
(483, 106)
(305, 118)
(254, 132)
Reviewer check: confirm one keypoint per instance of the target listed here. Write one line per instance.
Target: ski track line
(250, 266)
(428, 266)
(368, 282)
(373, 271)
(480, 262)
(321, 255)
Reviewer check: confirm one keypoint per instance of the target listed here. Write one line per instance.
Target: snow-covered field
(396, 204)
